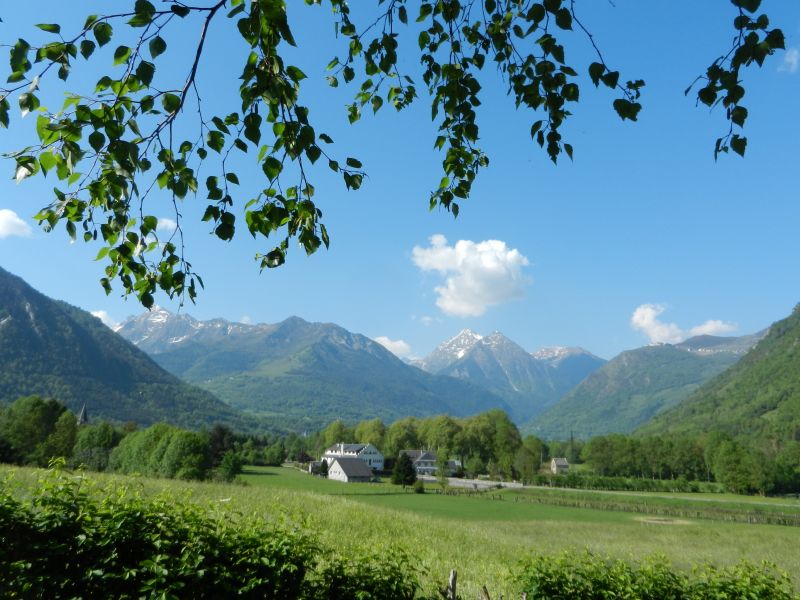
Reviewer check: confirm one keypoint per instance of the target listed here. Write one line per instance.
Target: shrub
(69, 539)
(589, 576)
(419, 487)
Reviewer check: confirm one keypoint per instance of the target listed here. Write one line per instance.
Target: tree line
(34, 431)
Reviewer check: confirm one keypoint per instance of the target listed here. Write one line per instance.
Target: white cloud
(645, 319)
(11, 224)
(713, 327)
(105, 318)
(166, 225)
(397, 347)
(791, 61)
(477, 275)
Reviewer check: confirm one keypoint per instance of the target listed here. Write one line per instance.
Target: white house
(559, 466)
(366, 452)
(349, 470)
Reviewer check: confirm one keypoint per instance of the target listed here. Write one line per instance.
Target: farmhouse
(559, 466)
(349, 470)
(365, 452)
(425, 462)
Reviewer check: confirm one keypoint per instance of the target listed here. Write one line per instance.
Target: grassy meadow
(482, 536)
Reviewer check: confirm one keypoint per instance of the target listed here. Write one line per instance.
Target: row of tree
(741, 466)
(33, 431)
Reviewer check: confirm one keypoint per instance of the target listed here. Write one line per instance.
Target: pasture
(482, 536)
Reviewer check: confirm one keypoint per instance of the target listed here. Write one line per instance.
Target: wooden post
(449, 593)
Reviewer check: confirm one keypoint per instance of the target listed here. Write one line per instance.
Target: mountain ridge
(53, 349)
(310, 373)
(638, 384)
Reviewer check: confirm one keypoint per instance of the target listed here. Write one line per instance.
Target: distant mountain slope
(53, 349)
(638, 384)
(306, 373)
(529, 383)
(759, 396)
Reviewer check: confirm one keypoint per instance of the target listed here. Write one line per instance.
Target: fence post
(449, 593)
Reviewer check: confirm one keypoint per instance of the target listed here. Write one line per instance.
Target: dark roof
(561, 462)
(353, 467)
(345, 448)
(416, 455)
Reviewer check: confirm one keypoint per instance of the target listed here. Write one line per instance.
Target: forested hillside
(630, 389)
(52, 349)
(758, 397)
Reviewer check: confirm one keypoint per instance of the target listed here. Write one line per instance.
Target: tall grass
(483, 539)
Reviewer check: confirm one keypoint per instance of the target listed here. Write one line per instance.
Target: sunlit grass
(481, 537)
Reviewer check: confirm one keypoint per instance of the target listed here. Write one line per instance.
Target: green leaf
(97, 140)
(564, 18)
(570, 92)
(145, 72)
(215, 140)
(181, 11)
(171, 102)
(739, 115)
(627, 109)
(50, 27)
(47, 160)
(102, 32)
(121, 55)
(596, 71)
(354, 163)
(295, 74)
(4, 108)
(87, 47)
(748, 5)
(739, 144)
(272, 167)
(611, 79)
(232, 177)
(157, 46)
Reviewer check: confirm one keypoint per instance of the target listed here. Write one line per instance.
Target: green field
(483, 536)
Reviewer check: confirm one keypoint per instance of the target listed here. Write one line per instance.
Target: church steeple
(83, 416)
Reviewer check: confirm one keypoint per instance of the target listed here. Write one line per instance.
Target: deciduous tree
(114, 147)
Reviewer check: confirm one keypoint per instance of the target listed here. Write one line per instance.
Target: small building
(426, 462)
(559, 466)
(365, 452)
(349, 470)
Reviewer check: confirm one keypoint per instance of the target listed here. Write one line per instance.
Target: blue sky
(642, 238)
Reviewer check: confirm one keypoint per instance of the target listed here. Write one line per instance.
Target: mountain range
(529, 383)
(303, 374)
(52, 349)
(638, 384)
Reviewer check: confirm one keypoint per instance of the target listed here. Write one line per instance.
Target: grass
(481, 537)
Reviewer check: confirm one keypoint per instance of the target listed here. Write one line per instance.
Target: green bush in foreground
(587, 576)
(69, 540)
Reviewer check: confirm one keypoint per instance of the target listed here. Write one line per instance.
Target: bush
(419, 487)
(69, 539)
(588, 576)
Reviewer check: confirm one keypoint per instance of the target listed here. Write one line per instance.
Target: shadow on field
(247, 471)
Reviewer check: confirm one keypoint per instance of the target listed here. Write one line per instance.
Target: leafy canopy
(115, 147)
